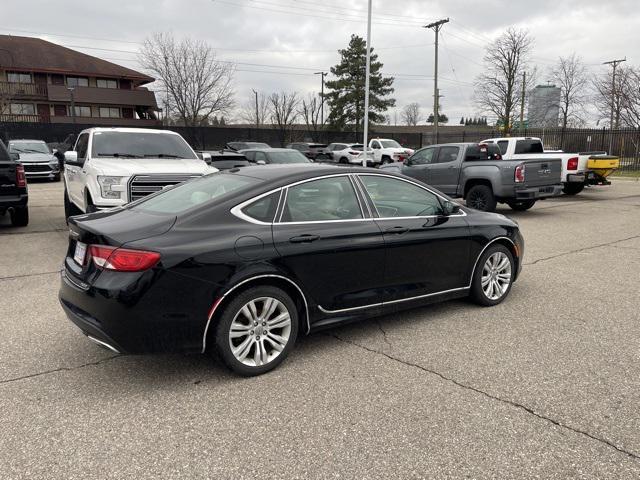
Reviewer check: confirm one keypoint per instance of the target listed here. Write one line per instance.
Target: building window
(16, 77)
(23, 109)
(80, 111)
(110, 112)
(106, 83)
(77, 82)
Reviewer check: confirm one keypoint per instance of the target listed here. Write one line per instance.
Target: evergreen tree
(222, 122)
(345, 95)
(215, 121)
(462, 121)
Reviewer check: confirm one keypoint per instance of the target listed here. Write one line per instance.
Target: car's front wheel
(257, 330)
(493, 276)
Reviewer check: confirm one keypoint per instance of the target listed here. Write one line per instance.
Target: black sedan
(241, 262)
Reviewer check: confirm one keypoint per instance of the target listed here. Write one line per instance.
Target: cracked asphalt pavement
(545, 385)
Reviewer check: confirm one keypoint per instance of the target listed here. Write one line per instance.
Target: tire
(521, 206)
(488, 295)
(344, 160)
(90, 207)
(385, 159)
(69, 208)
(19, 216)
(248, 361)
(56, 178)
(481, 198)
(572, 188)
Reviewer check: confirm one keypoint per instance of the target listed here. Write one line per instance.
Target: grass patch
(627, 174)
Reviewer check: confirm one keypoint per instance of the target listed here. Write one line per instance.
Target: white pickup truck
(109, 167)
(387, 150)
(575, 166)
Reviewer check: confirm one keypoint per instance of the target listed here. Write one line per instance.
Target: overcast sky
(278, 44)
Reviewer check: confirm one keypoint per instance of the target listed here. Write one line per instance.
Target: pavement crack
(61, 369)
(384, 333)
(582, 250)
(13, 277)
(490, 396)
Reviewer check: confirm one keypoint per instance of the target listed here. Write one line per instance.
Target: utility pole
(524, 84)
(323, 74)
(73, 104)
(436, 26)
(366, 89)
(257, 112)
(166, 93)
(614, 64)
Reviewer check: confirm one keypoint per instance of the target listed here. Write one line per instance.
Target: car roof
(25, 140)
(291, 172)
(128, 130)
(268, 149)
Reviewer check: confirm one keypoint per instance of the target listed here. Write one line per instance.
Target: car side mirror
(71, 157)
(261, 162)
(206, 157)
(450, 208)
(14, 156)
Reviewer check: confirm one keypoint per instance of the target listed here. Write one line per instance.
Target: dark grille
(36, 168)
(143, 185)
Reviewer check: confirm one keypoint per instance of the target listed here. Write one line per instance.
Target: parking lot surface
(546, 384)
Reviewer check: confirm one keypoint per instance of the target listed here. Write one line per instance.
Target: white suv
(109, 167)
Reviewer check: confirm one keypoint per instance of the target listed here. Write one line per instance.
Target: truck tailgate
(8, 178)
(542, 171)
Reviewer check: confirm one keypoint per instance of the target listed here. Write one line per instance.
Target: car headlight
(110, 187)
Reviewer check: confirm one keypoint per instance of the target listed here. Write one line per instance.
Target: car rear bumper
(8, 201)
(576, 178)
(535, 193)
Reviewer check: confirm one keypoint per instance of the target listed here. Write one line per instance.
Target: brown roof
(28, 53)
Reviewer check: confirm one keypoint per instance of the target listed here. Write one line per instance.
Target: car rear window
(263, 209)
(217, 186)
(484, 151)
(529, 146)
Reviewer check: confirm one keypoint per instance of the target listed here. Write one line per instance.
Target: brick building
(39, 82)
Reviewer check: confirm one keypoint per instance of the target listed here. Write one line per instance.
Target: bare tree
(570, 75)
(630, 115)
(197, 84)
(411, 114)
(255, 114)
(309, 109)
(607, 97)
(284, 112)
(498, 90)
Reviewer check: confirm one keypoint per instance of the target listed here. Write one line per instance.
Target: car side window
(393, 197)
(503, 144)
(81, 146)
(326, 199)
(263, 209)
(422, 157)
(375, 145)
(260, 156)
(251, 156)
(448, 154)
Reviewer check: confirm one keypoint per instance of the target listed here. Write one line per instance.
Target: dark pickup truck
(13, 188)
(479, 174)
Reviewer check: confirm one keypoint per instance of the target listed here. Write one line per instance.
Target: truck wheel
(572, 188)
(521, 206)
(20, 217)
(385, 159)
(481, 198)
(56, 178)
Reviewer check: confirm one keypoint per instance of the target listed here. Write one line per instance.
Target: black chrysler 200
(244, 261)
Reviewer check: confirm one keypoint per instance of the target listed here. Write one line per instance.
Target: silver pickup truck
(477, 173)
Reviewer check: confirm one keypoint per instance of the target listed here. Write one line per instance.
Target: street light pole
(614, 64)
(366, 89)
(323, 74)
(257, 112)
(73, 104)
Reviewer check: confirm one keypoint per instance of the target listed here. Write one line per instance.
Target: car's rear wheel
(481, 198)
(19, 216)
(257, 330)
(493, 276)
(572, 188)
(521, 206)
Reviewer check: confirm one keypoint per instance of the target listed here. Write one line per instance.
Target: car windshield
(28, 147)
(390, 144)
(287, 157)
(190, 194)
(140, 145)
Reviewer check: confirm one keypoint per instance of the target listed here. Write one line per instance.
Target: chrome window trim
(237, 210)
(218, 301)
(356, 181)
(355, 192)
(382, 304)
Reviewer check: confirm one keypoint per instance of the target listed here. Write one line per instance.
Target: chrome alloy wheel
(260, 331)
(496, 275)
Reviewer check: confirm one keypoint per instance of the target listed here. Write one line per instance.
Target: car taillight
(122, 259)
(21, 179)
(519, 175)
(572, 163)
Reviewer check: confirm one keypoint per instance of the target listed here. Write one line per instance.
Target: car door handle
(304, 238)
(396, 230)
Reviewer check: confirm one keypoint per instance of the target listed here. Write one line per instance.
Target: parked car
(110, 167)
(14, 196)
(387, 150)
(346, 153)
(314, 151)
(478, 173)
(237, 146)
(244, 261)
(578, 169)
(225, 159)
(275, 155)
(38, 160)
